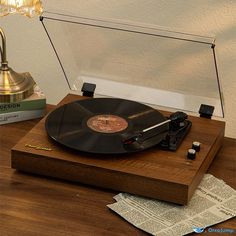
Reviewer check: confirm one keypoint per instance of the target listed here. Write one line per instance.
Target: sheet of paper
(213, 202)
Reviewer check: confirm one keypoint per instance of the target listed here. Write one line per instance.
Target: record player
(144, 121)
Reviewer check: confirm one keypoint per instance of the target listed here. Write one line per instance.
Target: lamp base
(15, 86)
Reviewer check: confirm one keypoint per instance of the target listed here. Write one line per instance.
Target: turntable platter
(100, 125)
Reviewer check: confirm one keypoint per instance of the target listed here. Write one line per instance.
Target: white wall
(30, 50)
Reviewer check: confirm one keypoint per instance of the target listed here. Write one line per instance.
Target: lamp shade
(28, 8)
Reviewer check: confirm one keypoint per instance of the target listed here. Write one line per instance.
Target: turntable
(145, 135)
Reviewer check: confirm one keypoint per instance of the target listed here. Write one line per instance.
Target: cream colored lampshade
(28, 8)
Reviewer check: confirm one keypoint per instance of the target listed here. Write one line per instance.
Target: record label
(107, 123)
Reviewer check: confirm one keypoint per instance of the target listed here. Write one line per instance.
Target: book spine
(11, 117)
(27, 105)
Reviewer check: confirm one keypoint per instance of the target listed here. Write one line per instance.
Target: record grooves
(102, 126)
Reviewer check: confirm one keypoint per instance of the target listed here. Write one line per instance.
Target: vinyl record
(102, 126)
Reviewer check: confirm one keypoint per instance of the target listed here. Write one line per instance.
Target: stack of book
(29, 108)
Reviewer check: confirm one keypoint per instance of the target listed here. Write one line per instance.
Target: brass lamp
(15, 86)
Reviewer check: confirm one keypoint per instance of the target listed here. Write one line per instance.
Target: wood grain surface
(152, 173)
(35, 205)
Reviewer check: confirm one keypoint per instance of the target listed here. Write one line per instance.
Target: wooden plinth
(155, 173)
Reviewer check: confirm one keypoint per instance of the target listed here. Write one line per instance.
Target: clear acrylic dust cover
(145, 63)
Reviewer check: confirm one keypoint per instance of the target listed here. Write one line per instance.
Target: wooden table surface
(35, 205)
